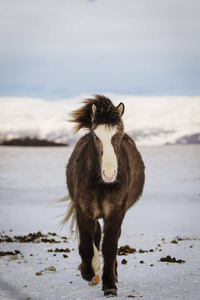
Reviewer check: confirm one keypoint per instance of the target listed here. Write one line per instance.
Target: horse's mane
(106, 113)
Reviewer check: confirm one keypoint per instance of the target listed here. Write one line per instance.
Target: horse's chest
(102, 209)
(108, 208)
(95, 210)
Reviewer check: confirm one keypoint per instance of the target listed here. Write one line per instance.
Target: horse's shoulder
(82, 142)
(83, 148)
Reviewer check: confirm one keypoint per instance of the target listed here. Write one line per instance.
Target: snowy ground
(30, 178)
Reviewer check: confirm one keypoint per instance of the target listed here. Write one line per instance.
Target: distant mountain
(149, 120)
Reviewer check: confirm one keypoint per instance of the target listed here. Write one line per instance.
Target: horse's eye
(95, 136)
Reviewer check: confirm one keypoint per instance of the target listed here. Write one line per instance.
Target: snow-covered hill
(149, 120)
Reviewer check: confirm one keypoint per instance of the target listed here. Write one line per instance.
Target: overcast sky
(55, 49)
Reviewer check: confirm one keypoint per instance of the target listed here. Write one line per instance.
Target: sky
(54, 49)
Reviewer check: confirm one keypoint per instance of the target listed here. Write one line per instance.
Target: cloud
(72, 38)
(106, 25)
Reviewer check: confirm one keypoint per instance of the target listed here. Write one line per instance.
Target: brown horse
(105, 177)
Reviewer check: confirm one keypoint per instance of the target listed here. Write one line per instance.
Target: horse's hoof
(87, 277)
(110, 293)
(96, 280)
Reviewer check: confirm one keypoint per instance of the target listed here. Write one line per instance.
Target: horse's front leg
(86, 247)
(112, 230)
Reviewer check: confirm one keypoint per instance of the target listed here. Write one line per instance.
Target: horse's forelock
(104, 113)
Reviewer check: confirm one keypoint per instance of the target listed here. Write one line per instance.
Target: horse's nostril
(109, 174)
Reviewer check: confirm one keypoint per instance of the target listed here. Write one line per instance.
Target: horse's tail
(70, 216)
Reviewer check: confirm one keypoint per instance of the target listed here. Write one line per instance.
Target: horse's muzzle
(109, 176)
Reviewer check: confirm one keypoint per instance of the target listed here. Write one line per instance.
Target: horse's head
(104, 120)
(107, 130)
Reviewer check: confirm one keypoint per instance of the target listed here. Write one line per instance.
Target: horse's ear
(94, 108)
(121, 108)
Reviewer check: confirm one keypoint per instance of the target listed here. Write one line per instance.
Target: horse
(105, 177)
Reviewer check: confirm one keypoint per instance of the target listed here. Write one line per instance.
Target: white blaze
(109, 160)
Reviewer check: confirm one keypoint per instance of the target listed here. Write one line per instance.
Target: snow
(32, 178)
(151, 120)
